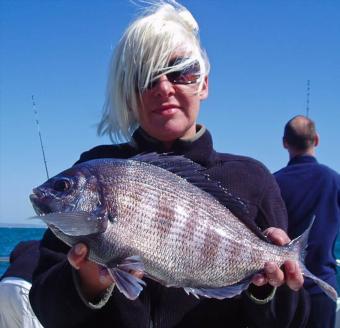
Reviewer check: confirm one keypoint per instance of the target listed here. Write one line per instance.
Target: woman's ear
(204, 92)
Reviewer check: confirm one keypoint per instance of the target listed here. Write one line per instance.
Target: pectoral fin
(127, 283)
(75, 223)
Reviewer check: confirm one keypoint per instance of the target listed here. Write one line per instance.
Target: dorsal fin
(193, 173)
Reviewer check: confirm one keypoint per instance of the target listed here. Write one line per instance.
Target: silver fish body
(179, 234)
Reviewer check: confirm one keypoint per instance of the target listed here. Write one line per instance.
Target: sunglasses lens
(188, 75)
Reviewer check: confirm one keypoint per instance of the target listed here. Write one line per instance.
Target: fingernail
(103, 276)
(295, 287)
(258, 279)
(269, 267)
(273, 282)
(102, 279)
(79, 249)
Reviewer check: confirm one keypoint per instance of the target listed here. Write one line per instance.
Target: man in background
(311, 189)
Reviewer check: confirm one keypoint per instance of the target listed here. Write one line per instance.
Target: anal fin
(219, 293)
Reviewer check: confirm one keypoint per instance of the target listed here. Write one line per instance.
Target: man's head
(148, 50)
(300, 136)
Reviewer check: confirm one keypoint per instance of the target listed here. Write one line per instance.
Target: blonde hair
(141, 56)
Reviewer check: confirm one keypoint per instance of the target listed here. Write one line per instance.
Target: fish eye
(62, 185)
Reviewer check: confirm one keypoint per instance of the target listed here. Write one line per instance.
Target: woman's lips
(167, 110)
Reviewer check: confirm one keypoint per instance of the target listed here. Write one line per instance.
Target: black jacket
(23, 260)
(55, 299)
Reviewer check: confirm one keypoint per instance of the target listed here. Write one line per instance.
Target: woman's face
(170, 106)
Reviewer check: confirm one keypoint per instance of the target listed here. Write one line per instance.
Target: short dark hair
(300, 133)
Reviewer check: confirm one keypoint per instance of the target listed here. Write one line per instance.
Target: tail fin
(299, 246)
(328, 289)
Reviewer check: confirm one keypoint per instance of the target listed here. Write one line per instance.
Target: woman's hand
(290, 274)
(94, 278)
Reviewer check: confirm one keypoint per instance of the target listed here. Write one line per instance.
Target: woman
(158, 78)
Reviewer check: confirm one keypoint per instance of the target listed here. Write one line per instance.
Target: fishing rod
(39, 132)
(5, 259)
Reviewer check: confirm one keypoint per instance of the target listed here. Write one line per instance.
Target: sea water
(9, 237)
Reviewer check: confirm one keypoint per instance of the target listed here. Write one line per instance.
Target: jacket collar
(199, 148)
(303, 159)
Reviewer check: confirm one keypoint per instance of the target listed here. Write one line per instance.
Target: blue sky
(262, 53)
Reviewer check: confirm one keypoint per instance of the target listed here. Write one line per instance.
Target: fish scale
(135, 215)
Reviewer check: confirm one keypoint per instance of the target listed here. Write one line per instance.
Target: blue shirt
(309, 188)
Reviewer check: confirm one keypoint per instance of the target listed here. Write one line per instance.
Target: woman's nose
(163, 86)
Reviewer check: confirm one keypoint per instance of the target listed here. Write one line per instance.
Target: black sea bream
(137, 214)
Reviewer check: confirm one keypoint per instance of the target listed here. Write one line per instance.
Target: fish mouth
(38, 205)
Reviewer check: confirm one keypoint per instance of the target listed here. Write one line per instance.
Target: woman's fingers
(77, 255)
(277, 236)
(293, 275)
(290, 273)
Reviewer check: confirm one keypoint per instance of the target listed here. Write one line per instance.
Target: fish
(161, 215)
